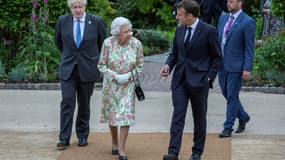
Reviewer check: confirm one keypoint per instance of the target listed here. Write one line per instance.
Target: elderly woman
(121, 56)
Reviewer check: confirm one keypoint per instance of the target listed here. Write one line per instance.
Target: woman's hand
(123, 78)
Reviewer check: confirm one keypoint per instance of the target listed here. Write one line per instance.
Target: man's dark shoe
(115, 151)
(123, 158)
(61, 145)
(170, 157)
(241, 125)
(82, 142)
(195, 156)
(227, 132)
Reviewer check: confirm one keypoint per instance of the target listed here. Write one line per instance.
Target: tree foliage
(154, 12)
(278, 7)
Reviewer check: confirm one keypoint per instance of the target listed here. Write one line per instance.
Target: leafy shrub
(278, 7)
(38, 53)
(251, 7)
(17, 74)
(154, 42)
(5, 52)
(3, 75)
(270, 61)
(258, 31)
(147, 13)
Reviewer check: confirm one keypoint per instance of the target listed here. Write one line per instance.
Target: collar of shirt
(82, 25)
(194, 25)
(82, 19)
(236, 14)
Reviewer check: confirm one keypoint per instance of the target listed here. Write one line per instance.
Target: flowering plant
(37, 51)
(43, 13)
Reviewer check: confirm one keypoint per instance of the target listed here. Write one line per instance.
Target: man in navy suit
(79, 36)
(236, 34)
(212, 10)
(196, 57)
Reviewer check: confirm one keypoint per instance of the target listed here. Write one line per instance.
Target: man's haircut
(190, 6)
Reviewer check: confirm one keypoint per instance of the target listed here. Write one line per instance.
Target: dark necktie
(187, 40)
(229, 24)
(78, 34)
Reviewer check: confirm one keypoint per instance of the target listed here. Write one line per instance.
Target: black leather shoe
(82, 142)
(195, 156)
(241, 125)
(61, 145)
(123, 158)
(227, 132)
(115, 151)
(170, 157)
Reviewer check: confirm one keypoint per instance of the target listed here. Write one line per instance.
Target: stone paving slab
(256, 147)
(28, 145)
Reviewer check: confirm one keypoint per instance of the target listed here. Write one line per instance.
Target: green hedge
(154, 42)
(269, 62)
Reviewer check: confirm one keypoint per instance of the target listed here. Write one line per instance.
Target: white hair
(118, 23)
(71, 2)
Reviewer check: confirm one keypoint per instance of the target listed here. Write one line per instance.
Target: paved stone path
(151, 80)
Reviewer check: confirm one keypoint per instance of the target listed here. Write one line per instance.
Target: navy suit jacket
(239, 45)
(87, 55)
(200, 61)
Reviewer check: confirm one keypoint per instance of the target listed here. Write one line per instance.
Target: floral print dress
(118, 100)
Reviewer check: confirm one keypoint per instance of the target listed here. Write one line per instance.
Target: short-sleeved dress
(118, 100)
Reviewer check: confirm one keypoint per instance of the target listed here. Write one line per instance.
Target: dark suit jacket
(87, 55)
(200, 61)
(239, 46)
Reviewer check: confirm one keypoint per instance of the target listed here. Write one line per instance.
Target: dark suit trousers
(198, 98)
(70, 89)
(230, 83)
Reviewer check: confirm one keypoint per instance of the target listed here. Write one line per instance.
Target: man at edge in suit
(196, 56)
(236, 34)
(79, 36)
